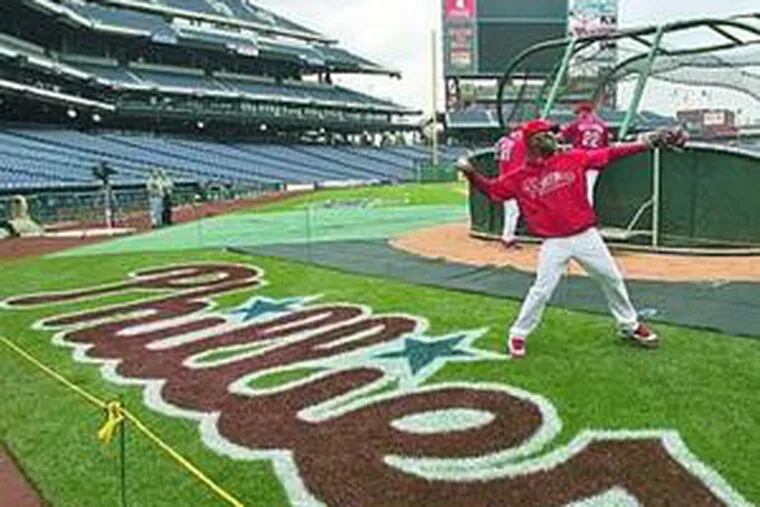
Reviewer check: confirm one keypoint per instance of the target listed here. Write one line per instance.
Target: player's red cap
(533, 127)
(584, 107)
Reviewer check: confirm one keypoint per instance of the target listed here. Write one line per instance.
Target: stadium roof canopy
(174, 80)
(236, 25)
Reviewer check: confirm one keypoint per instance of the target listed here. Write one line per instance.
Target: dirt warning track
(452, 242)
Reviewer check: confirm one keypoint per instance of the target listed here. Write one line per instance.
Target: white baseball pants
(592, 175)
(511, 217)
(589, 250)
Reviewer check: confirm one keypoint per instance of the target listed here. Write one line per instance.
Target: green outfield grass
(285, 227)
(703, 385)
(330, 215)
(411, 194)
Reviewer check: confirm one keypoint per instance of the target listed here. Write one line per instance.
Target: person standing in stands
(167, 189)
(155, 198)
(587, 132)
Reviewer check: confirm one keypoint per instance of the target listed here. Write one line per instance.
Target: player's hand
(666, 138)
(464, 165)
(654, 139)
(676, 138)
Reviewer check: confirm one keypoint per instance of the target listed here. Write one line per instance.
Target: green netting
(710, 198)
(737, 69)
(623, 190)
(443, 173)
(600, 81)
(711, 53)
(527, 92)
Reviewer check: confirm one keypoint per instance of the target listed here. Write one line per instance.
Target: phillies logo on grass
(333, 394)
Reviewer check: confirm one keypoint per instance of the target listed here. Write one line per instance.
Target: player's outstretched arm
(497, 189)
(605, 156)
(674, 138)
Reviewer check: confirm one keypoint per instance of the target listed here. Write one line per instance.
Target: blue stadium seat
(328, 168)
(387, 155)
(54, 157)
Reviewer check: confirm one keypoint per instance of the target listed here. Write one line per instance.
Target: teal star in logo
(260, 306)
(421, 353)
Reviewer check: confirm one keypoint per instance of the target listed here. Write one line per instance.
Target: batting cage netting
(710, 64)
(701, 74)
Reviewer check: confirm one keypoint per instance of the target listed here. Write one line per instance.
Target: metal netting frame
(749, 23)
(626, 68)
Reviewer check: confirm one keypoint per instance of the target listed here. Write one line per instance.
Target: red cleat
(516, 346)
(643, 337)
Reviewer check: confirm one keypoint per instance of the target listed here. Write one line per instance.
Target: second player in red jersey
(510, 157)
(587, 132)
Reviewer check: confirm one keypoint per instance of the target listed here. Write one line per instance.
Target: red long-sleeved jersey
(551, 193)
(588, 132)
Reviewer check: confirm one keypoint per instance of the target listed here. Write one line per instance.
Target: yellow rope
(81, 392)
(115, 415)
(181, 460)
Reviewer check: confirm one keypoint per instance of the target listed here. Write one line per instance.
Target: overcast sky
(396, 33)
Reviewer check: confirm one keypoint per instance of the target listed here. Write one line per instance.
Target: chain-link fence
(90, 205)
(441, 173)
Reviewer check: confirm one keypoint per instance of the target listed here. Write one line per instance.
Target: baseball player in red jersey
(552, 195)
(587, 132)
(510, 156)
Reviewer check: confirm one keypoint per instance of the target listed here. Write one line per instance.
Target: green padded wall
(709, 196)
(485, 216)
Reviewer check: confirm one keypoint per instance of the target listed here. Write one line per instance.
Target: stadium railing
(89, 206)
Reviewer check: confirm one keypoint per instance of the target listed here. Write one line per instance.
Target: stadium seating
(201, 67)
(243, 44)
(385, 155)
(323, 169)
(256, 156)
(237, 10)
(111, 73)
(103, 15)
(473, 116)
(182, 80)
(189, 80)
(159, 27)
(193, 5)
(36, 157)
